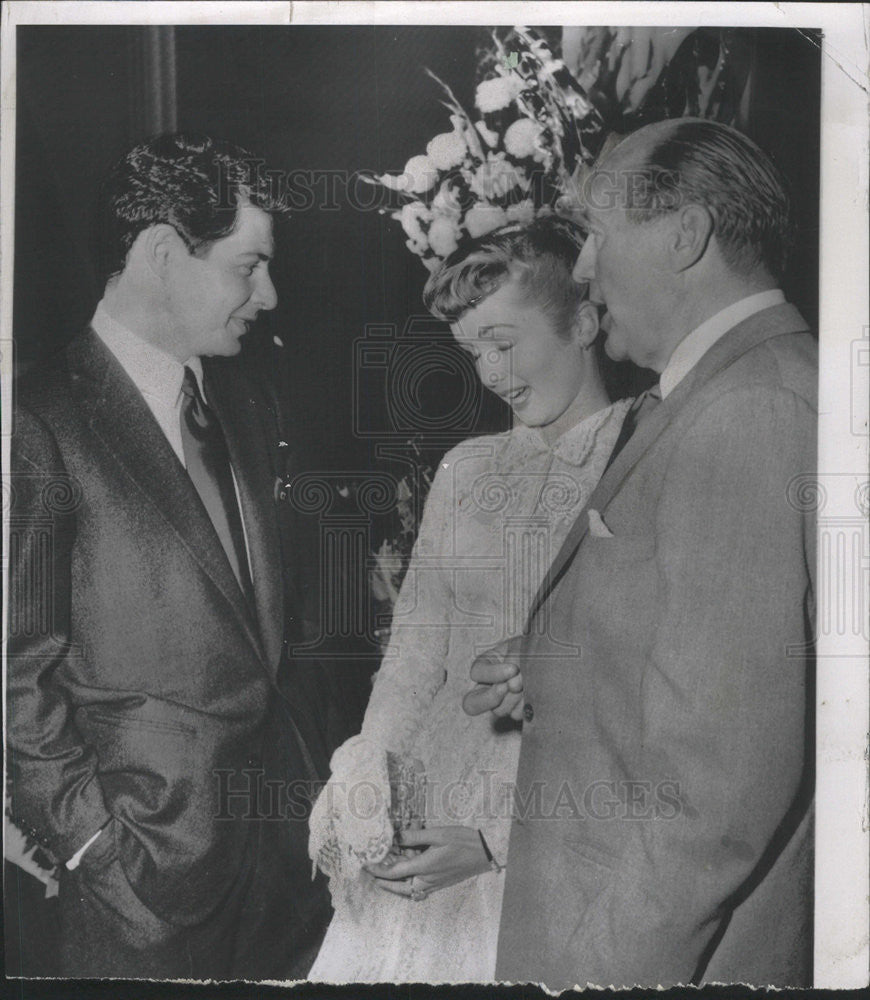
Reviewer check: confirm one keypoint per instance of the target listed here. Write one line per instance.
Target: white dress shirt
(690, 350)
(156, 374)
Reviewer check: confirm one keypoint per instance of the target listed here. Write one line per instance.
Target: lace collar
(574, 446)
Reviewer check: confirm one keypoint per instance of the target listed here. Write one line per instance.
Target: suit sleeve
(724, 695)
(54, 790)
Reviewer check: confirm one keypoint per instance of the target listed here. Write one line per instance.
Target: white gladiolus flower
(478, 174)
(419, 247)
(447, 150)
(523, 212)
(393, 182)
(493, 95)
(521, 139)
(482, 219)
(496, 178)
(419, 175)
(488, 136)
(443, 236)
(446, 203)
(411, 217)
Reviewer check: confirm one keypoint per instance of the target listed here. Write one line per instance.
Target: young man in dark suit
(147, 651)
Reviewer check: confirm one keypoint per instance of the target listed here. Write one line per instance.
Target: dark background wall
(329, 101)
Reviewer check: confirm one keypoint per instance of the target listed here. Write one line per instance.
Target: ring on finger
(417, 894)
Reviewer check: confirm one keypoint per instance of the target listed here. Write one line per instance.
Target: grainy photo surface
(424, 559)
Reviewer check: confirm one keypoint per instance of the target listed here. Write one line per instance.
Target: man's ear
(585, 326)
(161, 246)
(690, 236)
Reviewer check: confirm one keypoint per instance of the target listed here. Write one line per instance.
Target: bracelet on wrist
(493, 864)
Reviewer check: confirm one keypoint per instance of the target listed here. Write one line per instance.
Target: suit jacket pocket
(156, 768)
(144, 762)
(102, 852)
(138, 722)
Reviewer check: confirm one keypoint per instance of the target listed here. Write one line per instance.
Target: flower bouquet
(518, 157)
(540, 121)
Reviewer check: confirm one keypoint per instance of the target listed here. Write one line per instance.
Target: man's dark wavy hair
(194, 183)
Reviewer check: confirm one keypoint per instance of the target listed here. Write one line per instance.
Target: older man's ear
(690, 236)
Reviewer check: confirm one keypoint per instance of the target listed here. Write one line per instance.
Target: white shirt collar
(154, 372)
(691, 349)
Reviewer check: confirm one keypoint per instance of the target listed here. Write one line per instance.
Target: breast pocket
(617, 591)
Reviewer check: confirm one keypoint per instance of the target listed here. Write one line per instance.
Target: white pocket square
(597, 527)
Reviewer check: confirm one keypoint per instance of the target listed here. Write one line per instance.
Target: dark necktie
(208, 465)
(640, 409)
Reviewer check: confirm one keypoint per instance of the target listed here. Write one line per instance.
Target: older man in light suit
(664, 825)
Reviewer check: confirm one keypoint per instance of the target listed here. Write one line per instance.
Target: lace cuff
(350, 823)
(370, 794)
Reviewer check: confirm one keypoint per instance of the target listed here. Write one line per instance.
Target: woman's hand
(449, 855)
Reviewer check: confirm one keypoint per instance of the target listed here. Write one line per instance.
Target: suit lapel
(120, 418)
(250, 429)
(773, 322)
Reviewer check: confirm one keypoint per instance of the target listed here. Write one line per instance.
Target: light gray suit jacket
(664, 827)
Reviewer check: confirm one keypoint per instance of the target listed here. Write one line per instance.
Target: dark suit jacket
(138, 674)
(669, 699)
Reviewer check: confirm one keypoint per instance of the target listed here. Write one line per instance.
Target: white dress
(497, 513)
